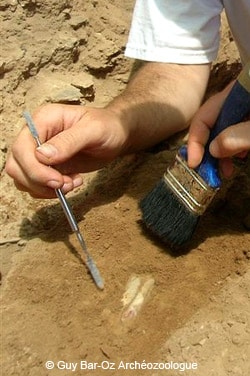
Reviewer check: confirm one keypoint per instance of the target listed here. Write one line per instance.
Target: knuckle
(44, 109)
(65, 143)
(19, 186)
(15, 148)
(226, 140)
(9, 167)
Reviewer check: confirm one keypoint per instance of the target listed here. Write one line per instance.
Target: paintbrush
(68, 213)
(173, 208)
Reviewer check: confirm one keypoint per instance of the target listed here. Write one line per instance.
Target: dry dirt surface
(161, 312)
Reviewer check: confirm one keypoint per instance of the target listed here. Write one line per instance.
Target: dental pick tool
(68, 213)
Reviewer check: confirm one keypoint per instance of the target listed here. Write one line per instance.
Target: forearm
(160, 100)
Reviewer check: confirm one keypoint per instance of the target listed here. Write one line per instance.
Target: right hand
(75, 139)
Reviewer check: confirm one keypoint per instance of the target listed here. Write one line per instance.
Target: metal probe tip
(91, 264)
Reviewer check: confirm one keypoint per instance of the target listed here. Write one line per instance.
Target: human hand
(233, 141)
(74, 139)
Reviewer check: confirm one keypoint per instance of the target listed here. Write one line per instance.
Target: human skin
(160, 99)
(233, 141)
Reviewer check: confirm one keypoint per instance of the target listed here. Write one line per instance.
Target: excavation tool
(68, 213)
(172, 209)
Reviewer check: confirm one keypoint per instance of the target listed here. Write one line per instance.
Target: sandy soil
(157, 306)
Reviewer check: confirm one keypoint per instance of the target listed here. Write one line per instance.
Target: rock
(69, 94)
(10, 58)
(56, 88)
(8, 3)
(66, 51)
(76, 21)
(86, 86)
(106, 50)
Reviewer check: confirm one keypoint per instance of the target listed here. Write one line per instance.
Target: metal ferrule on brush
(188, 186)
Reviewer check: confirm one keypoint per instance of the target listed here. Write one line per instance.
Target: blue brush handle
(235, 108)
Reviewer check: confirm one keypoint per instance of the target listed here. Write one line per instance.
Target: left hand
(233, 141)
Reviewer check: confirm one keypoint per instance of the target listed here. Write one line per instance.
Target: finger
(22, 164)
(52, 119)
(93, 135)
(242, 155)
(226, 167)
(202, 124)
(198, 137)
(82, 163)
(38, 191)
(232, 141)
(22, 161)
(78, 130)
(24, 167)
(35, 183)
(44, 193)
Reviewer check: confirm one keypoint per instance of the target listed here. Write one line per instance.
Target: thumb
(62, 147)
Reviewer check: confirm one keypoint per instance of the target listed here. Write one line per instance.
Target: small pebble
(247, 254)
(22, 242)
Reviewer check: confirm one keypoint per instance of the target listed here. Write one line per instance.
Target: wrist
(125, 123)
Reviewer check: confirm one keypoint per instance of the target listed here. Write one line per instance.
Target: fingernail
(47, 150)
(54, 184)
(213, 148)
(67, 187)
(77, 182)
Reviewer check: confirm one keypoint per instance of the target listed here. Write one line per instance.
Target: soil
(158, 305)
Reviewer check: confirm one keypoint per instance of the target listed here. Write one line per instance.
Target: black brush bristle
(167, 217)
